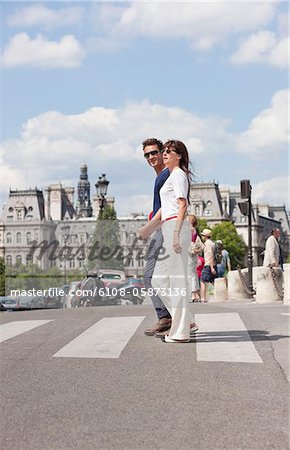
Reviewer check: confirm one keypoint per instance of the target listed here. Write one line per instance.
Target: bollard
(235, 288)
(266, 292)
(286, 300)
(220, 290)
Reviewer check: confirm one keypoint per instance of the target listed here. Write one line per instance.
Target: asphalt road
(154, 395)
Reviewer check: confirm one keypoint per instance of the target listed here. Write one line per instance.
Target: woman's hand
(176, 243)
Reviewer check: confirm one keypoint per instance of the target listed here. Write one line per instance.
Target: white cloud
(141, 203)
(40, 15)
(273, 192)
(52, 145)
(203, 24)
(263, 47)
(21, 50)
(269, 130)
(52, 137)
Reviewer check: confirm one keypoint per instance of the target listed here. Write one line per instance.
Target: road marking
(285, 314)
(12, 329)
(224, 337)
(105, 339)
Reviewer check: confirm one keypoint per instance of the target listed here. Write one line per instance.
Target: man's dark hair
(152, 141)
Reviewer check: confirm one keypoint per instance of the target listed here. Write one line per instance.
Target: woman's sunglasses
(168, 150)
(152, 153)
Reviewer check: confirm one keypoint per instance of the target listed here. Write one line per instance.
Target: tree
(22, 277)
(201, 225)
(232, 242)
(106, 252)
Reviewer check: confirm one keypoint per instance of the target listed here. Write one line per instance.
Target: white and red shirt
(175, 187)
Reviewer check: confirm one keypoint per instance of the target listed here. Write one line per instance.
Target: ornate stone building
(215, 205)
(50, 217)
(32, 216)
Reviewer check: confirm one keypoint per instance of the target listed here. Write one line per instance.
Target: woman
(170, 274)
(195, 249)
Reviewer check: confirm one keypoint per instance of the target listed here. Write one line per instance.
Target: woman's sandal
(169, 340)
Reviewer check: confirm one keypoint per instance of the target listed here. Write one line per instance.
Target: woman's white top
(175, 187)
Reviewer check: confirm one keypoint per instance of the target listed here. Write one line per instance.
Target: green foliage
(22, 277)
(201, 224)
(106, 241)
(232, 242)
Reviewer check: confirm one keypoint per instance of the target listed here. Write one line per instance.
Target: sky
(89, 81)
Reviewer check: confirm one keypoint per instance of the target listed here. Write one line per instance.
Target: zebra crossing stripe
(12, 329)
(224, 337)
(105, 339)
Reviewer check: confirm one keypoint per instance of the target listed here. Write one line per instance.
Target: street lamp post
(102, 188)
(246, 209)
(65, 233)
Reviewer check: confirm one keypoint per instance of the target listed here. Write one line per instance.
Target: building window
(28, 237)
(18, 260)
(18, 238)
(72, 264)
(29, 260)
(9, 238)
(197, 210)
(208, 212)
(9, 260)
(81, 264)
(19, 214)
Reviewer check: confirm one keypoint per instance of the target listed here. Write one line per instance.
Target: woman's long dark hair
(180, 148)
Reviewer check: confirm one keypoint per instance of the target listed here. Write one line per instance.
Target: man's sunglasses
(168, 150)
(152, 153)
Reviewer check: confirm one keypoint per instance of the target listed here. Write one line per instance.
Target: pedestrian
(273, 254)
(225, 265)
(195, 249)
(199, 267)
(152, 152)
(170, 275)
(209, 272)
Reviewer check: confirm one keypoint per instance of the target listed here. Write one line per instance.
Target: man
(152, 153)
(272, 250)
(225, 264)
(209, 272)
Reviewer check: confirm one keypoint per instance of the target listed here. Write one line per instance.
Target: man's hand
(143, 232)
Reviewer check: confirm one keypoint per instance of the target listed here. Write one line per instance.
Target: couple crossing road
(171, 231)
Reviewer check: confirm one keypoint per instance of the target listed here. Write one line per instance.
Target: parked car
(10, 303)
(138, 282)
(111, 277)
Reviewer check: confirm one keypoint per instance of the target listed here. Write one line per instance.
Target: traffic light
(244, 207)
(245, 188)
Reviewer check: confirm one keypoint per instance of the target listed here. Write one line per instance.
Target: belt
(169, 218)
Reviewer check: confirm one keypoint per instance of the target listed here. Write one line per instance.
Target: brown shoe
(162, 325)
(160, 334)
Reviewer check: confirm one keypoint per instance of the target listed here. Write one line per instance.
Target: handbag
(197, 246)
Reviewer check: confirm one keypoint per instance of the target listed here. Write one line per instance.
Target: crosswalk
(221, 337)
